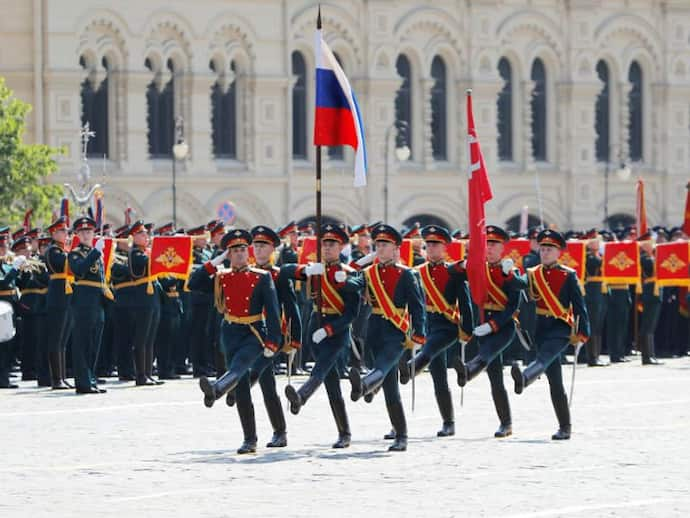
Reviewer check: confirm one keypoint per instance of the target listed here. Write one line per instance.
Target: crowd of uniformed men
(373, 322)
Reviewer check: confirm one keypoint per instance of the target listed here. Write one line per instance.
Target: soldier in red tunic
(561, 318)
(251, 324)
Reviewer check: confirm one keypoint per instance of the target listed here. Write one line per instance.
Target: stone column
(197, 123)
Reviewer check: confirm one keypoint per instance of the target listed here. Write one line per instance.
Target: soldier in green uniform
(88, 299)
(33, 285)
(58, 303)
(8, 293)
(651, 300)
(595, 298)
(200, 303)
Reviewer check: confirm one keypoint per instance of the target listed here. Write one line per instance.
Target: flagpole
(318, 209)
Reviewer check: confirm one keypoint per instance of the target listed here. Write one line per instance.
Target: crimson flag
(479, 192)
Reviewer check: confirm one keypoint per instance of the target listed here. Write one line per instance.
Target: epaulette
(259, 271)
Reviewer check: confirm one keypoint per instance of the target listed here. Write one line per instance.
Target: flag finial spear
(468, 91)
(318, 19)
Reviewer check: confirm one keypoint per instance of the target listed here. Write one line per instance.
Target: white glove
(100, 244)
(314, 269)
(482, 330)
(268, 353)
(219, 260)
(340, 276)
(319, 335)
(601, 248)
(367, 259)
(18, 262)
(507, 265)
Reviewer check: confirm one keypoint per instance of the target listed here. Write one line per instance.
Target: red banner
(621, 262)
(171, 256)
(455, 250)
(575, 257)
(641, 210)
(686, 215)
(516, 249)
(672, 260)
(307, 253)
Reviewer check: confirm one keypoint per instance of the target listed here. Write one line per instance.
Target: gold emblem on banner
(515, 256)
(673, 263)
(621, 261)
(170, 258)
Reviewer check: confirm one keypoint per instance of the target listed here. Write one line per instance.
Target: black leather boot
(371, 384)
(593, 347)
(55, 371)
(341, 422)
(390, 435)
(248, 422)
(467, 372)
(230, 398)
(560, 406)
(63, 369)
(525, 378)
(420, 362)
(215, 390)
(648, 355)
(275, 414)
(299, 397)
(445, 406)
(397, 417)
(500, 397)
(149, 365)
(140, 367)
(403, 367)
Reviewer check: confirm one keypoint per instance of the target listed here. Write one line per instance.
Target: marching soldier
(651, 300)
(86, 263)
(595, 298)
(119, 275)
(393, 292)
(449, 315)
(247, 298)
(43, 366)
(329, 325)
(58, 303)
(561, 317)
(288, 253)
(265, 241)
(498, 330)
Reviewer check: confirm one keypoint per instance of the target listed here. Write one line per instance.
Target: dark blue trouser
(617, 318)
(86, 339)
(441, 336)
(386, 344)
(242, 349)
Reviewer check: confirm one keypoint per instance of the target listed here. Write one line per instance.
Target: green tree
(24, 168)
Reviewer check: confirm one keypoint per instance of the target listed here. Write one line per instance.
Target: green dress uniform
(595, 298)
(8, 293)
(651, 308)
(88, 302)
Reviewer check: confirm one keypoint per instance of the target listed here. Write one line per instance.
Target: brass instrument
(33, 265)
(8, 258)
(129, 240)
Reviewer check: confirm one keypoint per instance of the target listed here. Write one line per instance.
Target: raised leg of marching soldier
(617, 318)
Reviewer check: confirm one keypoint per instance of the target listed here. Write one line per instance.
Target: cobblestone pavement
(157, 451)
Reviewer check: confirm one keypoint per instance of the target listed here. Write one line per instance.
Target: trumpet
(8, 258)
(129, 240)
(33, 265)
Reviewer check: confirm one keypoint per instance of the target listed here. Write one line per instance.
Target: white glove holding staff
(314, 269)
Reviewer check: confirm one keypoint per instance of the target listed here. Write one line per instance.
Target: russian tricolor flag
(337, 119)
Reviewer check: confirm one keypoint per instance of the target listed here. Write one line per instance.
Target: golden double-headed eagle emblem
(673, 263)
(169, 258)
(621, 261)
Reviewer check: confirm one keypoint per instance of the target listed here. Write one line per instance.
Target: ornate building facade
(565, 91)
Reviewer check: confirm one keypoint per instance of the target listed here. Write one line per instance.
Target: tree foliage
(24, 168)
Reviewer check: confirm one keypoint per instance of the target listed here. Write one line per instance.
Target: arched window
(224, 114)
(403, 104)
(538, 106)
(336, 152)
(424, 220)
(602, 110)
(299, 107)
(505, 111)
(439, 138)
(160, 105)
(635, 109)
(513, 223)
(94, 109)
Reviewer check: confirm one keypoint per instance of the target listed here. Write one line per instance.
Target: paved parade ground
(157, 451)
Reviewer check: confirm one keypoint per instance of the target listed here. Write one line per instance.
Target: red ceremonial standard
(516, 249)
(307, 253)
(621, 262)
(455, 250)
(672, 260)
(171, 256)
(575, 257)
